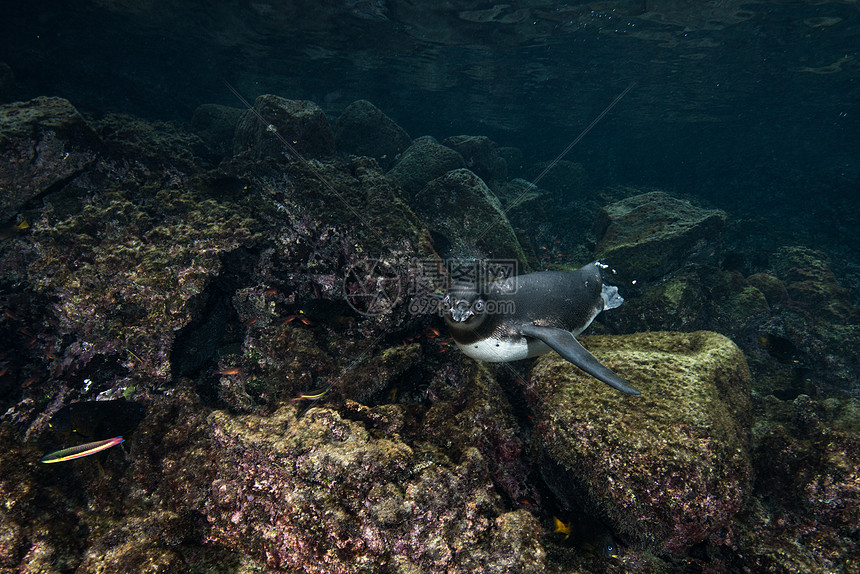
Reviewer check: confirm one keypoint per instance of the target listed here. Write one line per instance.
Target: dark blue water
(748, 107)
(753, 106)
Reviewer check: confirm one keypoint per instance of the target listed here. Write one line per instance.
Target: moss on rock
(299, 121)
(319, 493)
(423, 161)
(43, 142)
(461, 207)
(363, 129)
(649, 235)
(668, 468)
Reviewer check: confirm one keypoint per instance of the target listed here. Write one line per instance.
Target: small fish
(335, 314)
(81, 450)
(11, 229)
(303, 320)
(560, 527)
(781, 349)
(313, 395)
(230, 371)
(590, 536)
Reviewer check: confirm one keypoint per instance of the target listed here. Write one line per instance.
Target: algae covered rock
(677, 304)
(666, 469)
(649, 235)
(43, 142)
(804, 459)
(134, 556)
(318, 493)
(216, 126)
(811, 285)
(362, 129)
(481, 155)
(300, 122)
(810, 342)
(423, 161)
(460, 207)
(157, 145)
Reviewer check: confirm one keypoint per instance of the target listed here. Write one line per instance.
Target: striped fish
(81, 450)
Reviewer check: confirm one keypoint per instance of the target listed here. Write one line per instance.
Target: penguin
(527, 315)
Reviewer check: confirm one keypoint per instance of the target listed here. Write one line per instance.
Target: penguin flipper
(565, 344)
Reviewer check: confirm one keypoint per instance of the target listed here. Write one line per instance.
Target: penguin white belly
(504, 350)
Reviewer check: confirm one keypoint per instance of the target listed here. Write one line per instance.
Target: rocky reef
(260, 283)
(669, 469)
(649, 235)
(316, 492)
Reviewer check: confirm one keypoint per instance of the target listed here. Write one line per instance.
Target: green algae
(648, 235)
(124, 269)
(460, 207)
(668, 468)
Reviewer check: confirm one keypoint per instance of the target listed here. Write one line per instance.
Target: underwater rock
(216, 126)
(807, 471)
(677, 304)
(322, 494)
(422, 162)
(476, 412)
(148, 262)
(832, 493)
(379, 372)
(811, 285)
(40, 528)
(805, 463)
(460, 207)
(647, 236)
(158, 145)
(810, 341)
(772, 288)
(300, 122)
(7, 83)
(739, 306)
(134, 556)
(514, 160)
(666, 469)
(43, 143)
(481, 155)
(362, 129)
(524, 207)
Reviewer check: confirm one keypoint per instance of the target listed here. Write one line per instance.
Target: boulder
(216, 126)
(301, 123)
(460, 208)
(362, 129)
(647, 236)
(423, 161)
(43, 142)
(666, 469)
(318, 493)
(481, 155)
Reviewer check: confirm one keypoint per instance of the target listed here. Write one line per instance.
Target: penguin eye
(479, 305)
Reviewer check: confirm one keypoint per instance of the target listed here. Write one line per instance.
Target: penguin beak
(461, 311)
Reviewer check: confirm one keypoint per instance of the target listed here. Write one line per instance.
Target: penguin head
(463, 305)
